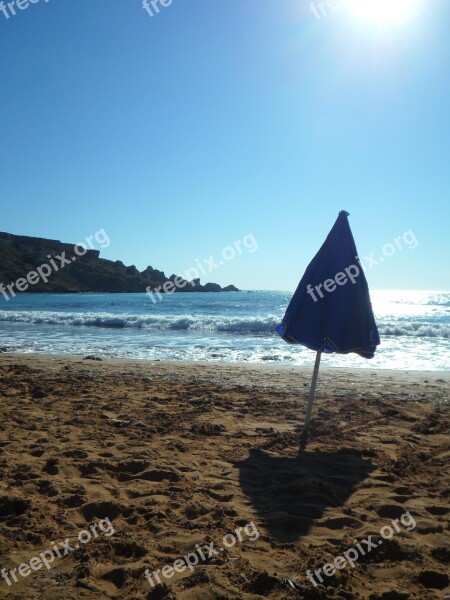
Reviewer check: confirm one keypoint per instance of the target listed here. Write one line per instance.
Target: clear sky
(182, 132)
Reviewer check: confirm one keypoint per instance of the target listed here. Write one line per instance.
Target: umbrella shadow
(289, 494)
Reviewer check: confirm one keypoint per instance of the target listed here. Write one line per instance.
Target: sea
(236, 327)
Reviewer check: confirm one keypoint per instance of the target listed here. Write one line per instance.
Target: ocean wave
(160, 322)
(220, 324)
(415, 329)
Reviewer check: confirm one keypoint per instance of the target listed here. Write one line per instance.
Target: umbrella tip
(344, 213)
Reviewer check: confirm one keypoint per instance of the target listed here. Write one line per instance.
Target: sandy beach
(176, 455)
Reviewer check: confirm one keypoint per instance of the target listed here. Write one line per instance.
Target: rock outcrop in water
(21, 255)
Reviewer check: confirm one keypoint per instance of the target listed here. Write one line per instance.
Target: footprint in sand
(390, 511)
(11, 507)
(433, 580)
(438, 510)
(101, 510)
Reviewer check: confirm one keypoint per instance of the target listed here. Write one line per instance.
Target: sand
(179, 454)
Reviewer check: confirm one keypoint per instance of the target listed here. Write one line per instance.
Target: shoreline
(255, 374)
(218, 363)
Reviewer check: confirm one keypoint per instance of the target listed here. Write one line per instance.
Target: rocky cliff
(21, 255)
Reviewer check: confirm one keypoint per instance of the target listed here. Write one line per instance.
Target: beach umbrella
(331, 309)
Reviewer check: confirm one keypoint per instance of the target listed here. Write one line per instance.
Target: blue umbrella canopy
(331, 308)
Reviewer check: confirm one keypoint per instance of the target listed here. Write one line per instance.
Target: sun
(382, 11)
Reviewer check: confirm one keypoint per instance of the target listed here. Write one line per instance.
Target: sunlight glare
(382, 11)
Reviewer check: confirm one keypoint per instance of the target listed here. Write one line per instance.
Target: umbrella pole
(304, 437)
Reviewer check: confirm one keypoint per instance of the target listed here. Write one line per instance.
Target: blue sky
(181, 133)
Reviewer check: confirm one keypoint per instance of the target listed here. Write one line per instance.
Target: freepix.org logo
(45, 271)
(352, 272)
(59, 550)
(9, 9)
(153, 7)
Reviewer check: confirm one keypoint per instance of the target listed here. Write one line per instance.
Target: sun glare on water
(382, 11)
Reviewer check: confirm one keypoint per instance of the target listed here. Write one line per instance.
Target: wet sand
(179, 454)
